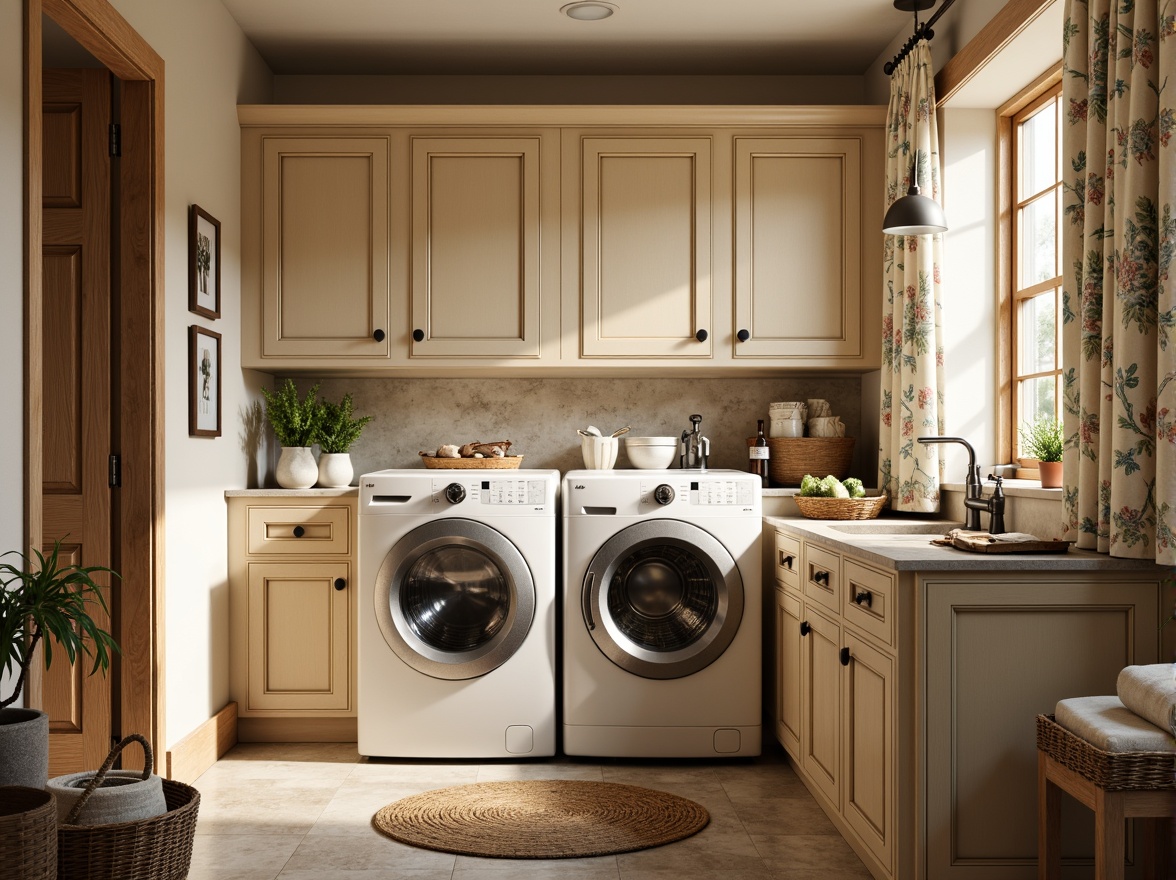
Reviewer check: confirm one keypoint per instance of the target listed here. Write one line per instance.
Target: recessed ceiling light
(588, 10)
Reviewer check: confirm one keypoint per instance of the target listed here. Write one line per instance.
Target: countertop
(345, 492)
(917, 553)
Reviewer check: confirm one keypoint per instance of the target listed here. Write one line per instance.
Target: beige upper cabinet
(325, 248)
(642, 259)
(804, 231)
(485, 247)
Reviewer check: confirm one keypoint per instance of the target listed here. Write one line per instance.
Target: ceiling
(785, 37)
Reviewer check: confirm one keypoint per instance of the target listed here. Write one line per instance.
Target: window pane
(1036, 243)
(1038, 151)
(1037, 333)
(1038, 399)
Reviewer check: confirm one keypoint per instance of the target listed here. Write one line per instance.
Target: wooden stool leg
(1049, 823)
(1109, 835)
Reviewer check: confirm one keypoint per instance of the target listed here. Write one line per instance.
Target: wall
(11, 280)
(210, 68)
(540, 416)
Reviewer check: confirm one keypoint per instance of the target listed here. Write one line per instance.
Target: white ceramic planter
(296, 468)
(335, 470)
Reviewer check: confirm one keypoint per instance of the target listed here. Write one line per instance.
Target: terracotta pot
(1051, 474)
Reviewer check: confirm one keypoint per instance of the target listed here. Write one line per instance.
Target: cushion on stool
(1107, 724)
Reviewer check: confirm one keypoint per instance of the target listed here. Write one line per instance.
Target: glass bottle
(757, 455)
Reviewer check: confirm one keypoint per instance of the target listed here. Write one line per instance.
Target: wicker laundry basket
(28, 833)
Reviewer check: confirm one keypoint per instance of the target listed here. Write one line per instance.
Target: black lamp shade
(914, 214)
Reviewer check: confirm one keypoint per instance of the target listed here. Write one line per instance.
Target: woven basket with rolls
(793, 457)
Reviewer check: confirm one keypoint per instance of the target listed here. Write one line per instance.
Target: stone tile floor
(302, 811)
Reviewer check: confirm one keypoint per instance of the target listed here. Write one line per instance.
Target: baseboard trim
(296, 729)
(204, 746)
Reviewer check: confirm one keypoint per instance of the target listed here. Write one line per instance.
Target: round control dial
(663, 494)
(455, 493)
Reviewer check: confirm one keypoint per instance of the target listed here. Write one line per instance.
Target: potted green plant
(338, 429)
(295, 422)
(1044, 440)
(43, 603)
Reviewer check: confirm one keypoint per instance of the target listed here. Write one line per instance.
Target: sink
(896, 528)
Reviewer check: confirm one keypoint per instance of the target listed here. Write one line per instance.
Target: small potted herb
(48, 604)
(295, 422)
(337, 431)
(1044, 440)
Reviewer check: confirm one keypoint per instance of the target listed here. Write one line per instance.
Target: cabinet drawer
(868, 601)
(299, 531)
(821, 577)
(788, 562)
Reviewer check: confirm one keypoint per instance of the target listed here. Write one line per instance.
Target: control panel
(717, 492)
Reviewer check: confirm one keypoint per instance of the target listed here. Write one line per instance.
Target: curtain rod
(922, 32)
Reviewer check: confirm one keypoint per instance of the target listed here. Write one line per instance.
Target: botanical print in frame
(204, 259)
(204, 382)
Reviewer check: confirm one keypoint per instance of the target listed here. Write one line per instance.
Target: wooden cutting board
(982, 542)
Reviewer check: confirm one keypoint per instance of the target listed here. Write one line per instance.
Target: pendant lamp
(914, 213)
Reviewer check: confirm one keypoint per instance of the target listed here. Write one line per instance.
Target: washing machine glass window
(662, 599)
(454, 599)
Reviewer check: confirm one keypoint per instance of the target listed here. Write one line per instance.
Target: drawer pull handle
(865, 597)
(701, 335)
(786, 561)
(378, 335)
(805, 629)
(845, 656)
(743, 336)
(821, 577)
(340, 584)
(299, 531)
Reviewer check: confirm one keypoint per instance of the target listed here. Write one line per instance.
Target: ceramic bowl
(651, 453)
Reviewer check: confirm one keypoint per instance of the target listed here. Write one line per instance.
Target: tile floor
(302, 811)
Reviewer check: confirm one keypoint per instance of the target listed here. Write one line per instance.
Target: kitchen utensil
(600, 453)
(651, 453)
(619, 431)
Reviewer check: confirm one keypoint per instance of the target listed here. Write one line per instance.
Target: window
(1034, 262)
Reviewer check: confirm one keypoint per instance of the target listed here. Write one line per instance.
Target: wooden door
(820, 738)
(645, 243)
(77, 396)
(476, 238)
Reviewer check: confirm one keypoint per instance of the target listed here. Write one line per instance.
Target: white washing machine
(661, 613)
(457, 613)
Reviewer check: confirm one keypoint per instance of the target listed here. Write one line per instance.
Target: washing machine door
(454, 599)
(662, 599)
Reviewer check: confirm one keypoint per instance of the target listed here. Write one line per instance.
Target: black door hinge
(114, 132)
(115, 470)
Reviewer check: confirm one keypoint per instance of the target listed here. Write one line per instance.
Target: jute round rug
(541, 819)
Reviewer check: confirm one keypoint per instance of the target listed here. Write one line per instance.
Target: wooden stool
(1116, 786)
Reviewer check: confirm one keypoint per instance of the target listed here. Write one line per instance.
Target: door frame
(138, 301)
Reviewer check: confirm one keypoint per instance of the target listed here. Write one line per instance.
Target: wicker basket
(1113, 771)
(840, 508)
(28, 833)
(463, 464)
(793, 457)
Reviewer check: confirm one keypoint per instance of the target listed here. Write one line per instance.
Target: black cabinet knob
(299, 531)
(805, 629)
(743, 336)
(865, 597)
(379, 335)
(701, 335)
(845, 656)
(418, 335)
(340, 584)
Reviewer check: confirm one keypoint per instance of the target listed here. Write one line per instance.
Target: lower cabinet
(292, 614)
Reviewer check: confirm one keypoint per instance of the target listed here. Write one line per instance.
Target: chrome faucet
(695, 448)
(974, 500)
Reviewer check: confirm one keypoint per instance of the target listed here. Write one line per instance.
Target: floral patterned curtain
(1119, 305)
(912, 348)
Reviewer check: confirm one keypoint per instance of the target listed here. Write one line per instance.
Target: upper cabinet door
(798, 251)
(325, 247)
(477, 236)
(645, 247)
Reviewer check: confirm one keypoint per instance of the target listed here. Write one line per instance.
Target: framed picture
(204, 261)
(204, 382)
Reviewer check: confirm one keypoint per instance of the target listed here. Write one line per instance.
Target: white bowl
(651, 453)
(600, 453)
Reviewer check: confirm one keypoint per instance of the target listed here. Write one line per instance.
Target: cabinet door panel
(325, 247)
(868, 743)
(798, 247)
(821, 712)
(646, 248)
(789, 644)
(299, 646)
(475, 246)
